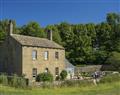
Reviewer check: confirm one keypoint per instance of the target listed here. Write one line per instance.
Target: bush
(76, 83)
(16, 81)
(43, 77)
(63, 75)
(22, 82)
(86, 74)
(3, 79)
(113, 62)
(110, 78)
(47, 85)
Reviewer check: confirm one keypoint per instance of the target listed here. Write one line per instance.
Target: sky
(47, 12)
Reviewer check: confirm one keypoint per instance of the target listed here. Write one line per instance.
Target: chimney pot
(49, 35)
(10, 27)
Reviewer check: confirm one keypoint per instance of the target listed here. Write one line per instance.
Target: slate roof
(35, 41)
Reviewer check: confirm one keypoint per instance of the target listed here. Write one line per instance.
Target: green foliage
(4, 29)
(86, 74)
(76, 83)
(43, 77)
(16, 81)
(47, 85)
(102, 89)
(2, 36)
(113, 18)
(63, 75)
(110, 78)
(104, 36)
(32, 29)
(101, 56)
(114, 62)
(84, 43)
(3, 79)
(56, 34)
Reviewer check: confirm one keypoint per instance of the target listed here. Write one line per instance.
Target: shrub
(76, 83)
(63, 75)
(16, 81)
(47, 85)
(44, 77)
(22, 82)
(3, 79)
(110, 78)
(86, 74)
(113, 62)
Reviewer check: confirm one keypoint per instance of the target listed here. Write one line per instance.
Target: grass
(101, 89)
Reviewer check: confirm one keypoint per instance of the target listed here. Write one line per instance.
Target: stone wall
(17, 59)
(10, 56)
(40, 63)
(88, 68)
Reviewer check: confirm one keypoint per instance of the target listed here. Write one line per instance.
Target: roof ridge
(29, 36)
(36, 41)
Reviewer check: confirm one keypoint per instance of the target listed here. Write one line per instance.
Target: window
(56, 71)
(34, 72)
(56, 55)
(46, 55)
(46, 70)
(34, 54)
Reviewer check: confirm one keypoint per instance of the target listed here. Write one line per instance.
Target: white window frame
(34, 54)
(46, 55)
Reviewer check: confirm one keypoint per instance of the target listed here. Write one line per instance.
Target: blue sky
(55, 11)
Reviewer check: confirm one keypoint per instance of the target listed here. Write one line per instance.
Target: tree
(113, 19)
(32, 29)
(56, 34)
(114, 61)
(67, 35)
(104, 36)
(84, 43)
(4, 28)
(103, 42)
(91, 31)
(82, 48)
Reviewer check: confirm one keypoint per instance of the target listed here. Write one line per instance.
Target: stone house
(29, 56)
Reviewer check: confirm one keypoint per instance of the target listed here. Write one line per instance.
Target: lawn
(101, 89)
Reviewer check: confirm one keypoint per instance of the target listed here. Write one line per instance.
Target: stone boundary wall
(89, 68)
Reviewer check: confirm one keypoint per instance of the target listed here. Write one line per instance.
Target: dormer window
(34, 55)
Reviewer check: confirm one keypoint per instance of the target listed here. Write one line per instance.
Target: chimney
(49, 35)
(10, 28)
